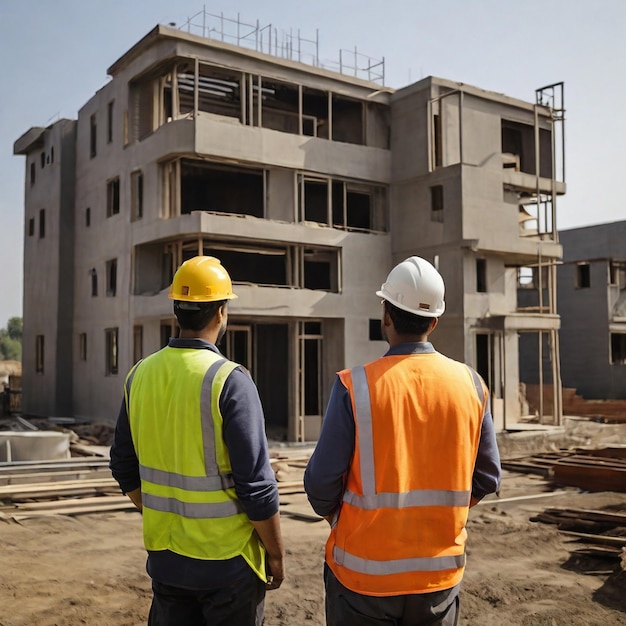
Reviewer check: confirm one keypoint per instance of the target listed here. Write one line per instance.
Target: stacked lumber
(589, 470)
(81, 485)
(289, 471)
(604, 411)
(69, 487)
(594, 533)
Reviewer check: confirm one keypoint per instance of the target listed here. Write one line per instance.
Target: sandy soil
(90, 569)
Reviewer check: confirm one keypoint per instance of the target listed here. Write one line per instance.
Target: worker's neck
(207, 334)
(395, 339)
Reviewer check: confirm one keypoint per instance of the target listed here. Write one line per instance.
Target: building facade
(309, 185)
(592, 298)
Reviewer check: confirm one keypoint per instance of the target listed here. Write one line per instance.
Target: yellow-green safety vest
(189, 502)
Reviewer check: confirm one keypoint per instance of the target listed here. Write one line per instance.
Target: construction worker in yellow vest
(190, 451)
(407, 446)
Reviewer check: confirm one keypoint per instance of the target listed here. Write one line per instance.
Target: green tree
(11, 340)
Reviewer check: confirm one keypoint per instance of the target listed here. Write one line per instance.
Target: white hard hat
(415, 286)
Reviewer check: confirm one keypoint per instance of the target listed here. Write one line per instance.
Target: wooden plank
(72, 502)
(601, 539)
(591, 478)
(52, 487)
(590, 514)
(20, 515)
(47, 476)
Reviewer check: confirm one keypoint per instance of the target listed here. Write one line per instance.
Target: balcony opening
(280, 108)
(518, 140)
(314, 113)
(258, 263)
(219, 91)
(347, 120)
(219, 189)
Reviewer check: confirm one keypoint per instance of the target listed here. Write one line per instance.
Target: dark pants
(240, 604)
(348, 608)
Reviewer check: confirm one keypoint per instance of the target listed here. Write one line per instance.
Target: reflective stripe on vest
(397, 566)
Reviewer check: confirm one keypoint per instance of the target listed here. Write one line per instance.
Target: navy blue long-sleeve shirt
(254, 478)
(324, 477)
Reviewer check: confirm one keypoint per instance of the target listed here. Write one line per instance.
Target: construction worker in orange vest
(407, 446)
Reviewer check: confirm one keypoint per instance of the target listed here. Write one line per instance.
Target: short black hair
(407, 323)
(196, 315)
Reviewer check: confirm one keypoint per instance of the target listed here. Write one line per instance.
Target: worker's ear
(433, 325)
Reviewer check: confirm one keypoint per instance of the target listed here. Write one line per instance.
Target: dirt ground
(90, 569)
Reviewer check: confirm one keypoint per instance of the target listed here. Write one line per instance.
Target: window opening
(94, 282)
(137, 343)
(376, 332)
(314, 200)
(481, 275)
(31, 226)
(617, 274)
(93, 136)
(42, 158)
(525, 277)
(110, 122)
(436, 203)
(136, 198)
(168, 330)
(111, 346)
(111, 269)
(82, 346)
(583, 275)
(39, 354)
(437, 140)
(42, 223)
(113, 197)
(32, 174)
(618, 348)
(88, 217)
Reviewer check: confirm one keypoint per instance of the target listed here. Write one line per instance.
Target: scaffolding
(281, 43)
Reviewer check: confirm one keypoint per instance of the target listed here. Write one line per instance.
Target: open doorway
(263, 350)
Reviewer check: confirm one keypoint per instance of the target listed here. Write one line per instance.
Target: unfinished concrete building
(592, 296)
(309, 185)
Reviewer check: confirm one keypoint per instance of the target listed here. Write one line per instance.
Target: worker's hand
(275, 571)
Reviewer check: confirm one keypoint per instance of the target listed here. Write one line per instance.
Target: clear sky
(55, 54)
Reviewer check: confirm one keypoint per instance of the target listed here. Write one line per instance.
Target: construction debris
(601, 533)
(80, 485)
(590, 470)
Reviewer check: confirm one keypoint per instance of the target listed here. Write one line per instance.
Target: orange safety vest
(401, 526)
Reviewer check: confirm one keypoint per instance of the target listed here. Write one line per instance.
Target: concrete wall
(48, 272)
(586, 312)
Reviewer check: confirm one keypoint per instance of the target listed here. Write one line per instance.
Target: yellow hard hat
(201, 279)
